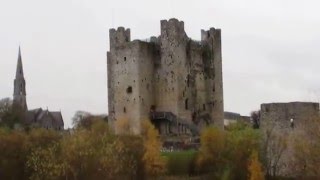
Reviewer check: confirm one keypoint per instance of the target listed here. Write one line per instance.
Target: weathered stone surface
(169, 73)
(287, 120)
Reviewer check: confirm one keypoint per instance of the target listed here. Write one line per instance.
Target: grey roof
(231, 115)
(44, 118)
(57, 117)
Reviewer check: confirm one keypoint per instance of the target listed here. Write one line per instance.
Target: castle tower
(19, 94)
(212, 55)
(173, 73)
(130, 79)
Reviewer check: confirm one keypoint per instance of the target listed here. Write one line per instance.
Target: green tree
(10, 115)
(241, 142)
(83, 119)
(227, 153)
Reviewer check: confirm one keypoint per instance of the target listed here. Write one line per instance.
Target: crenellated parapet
(119, 37)
(173, 29)
(212, 33)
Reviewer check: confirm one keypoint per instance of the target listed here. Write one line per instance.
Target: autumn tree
(122, 126)
(274, 146)
(83, 119)
(211, 153)
(306, 150)
(255, 167)
(17, 145)
(227, 153)
(153, 161)
(12, 155)
(93, 153)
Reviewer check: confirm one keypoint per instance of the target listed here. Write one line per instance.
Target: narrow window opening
(267, 109)
(125, 58)
(204, 107)
(129, 90)
(153, 108)
(124, 109)
(186, 104)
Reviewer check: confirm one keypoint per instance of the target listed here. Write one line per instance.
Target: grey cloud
(270, 47)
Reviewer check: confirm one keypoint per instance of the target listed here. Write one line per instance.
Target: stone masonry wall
(276, 117)
(171, 73)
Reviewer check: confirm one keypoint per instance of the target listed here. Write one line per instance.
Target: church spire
(19, 70)
(19, 94)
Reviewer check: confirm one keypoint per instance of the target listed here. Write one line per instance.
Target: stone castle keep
(172, 80)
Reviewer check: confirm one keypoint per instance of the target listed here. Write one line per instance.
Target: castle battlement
(172, 23)
(119, 37)
(212, 33)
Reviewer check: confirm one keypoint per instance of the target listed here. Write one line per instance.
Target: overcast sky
(271, 48)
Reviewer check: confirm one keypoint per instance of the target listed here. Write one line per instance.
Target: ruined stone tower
(19, 94)
(172, 80)
(281, 124)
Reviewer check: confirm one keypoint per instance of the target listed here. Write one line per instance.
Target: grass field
(181, 162)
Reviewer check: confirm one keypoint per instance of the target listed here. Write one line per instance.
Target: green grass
(180, 162)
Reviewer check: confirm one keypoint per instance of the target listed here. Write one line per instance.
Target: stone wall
(170, 73)
(275, 118)
(281, 113)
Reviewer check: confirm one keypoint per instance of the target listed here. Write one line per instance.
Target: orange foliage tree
(153, 161)
(255, 167)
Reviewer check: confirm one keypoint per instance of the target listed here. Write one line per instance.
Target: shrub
(227, 153)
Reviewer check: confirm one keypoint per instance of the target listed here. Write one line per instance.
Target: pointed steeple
(19, 70)
(19, 94)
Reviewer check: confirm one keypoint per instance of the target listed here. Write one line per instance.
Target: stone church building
(36, 117)
(174, 81)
